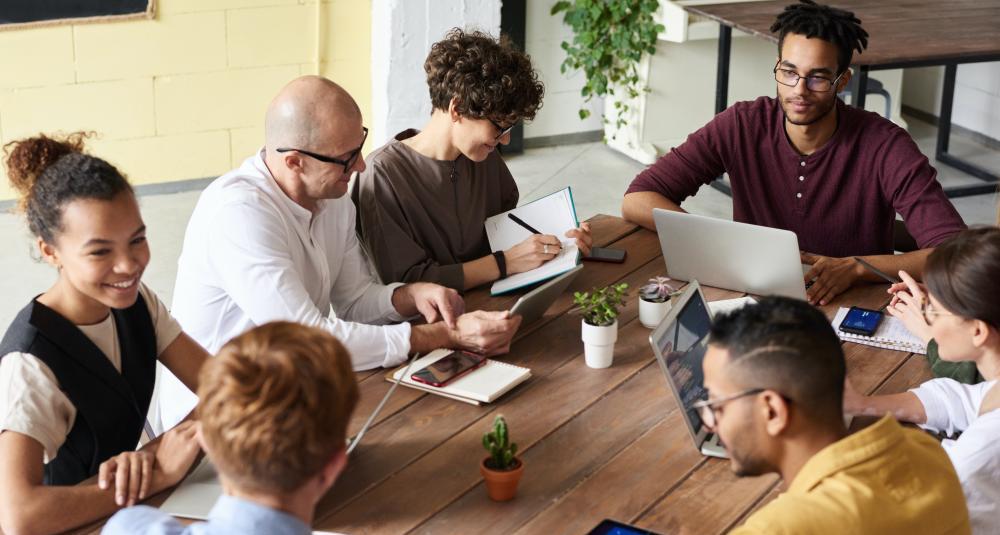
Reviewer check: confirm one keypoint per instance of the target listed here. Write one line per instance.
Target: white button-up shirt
(954, 407)
(252, 255)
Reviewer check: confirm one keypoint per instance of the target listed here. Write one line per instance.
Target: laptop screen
(682, 346)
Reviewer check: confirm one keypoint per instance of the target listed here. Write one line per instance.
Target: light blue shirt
(229, 516)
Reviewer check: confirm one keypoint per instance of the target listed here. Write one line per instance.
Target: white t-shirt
(954, 407)
(31, 401)
(252, 255)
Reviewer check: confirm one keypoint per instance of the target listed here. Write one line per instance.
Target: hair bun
(26, 159)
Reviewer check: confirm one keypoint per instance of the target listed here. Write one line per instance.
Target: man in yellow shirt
(775, 377)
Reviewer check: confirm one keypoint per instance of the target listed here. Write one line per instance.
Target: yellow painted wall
(183, 95)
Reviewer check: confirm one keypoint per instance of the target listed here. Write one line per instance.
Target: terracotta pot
(501, 485)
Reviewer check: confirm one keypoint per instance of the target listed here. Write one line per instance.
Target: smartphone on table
(448, 368)
(861, 321)
(605, 254)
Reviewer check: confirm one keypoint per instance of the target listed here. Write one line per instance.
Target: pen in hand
(521, 222)
(875, 270)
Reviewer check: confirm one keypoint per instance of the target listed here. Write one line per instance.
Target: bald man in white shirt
(275, 240)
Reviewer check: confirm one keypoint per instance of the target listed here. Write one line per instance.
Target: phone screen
(861, 321)
(448, 368)
(613, 527)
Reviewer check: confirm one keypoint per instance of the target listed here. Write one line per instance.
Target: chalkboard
(17, 13)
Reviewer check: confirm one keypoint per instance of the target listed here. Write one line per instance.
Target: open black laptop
(679, 343)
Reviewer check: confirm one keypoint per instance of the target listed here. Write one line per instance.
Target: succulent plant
(600, 307)
(502, 451)
(658, 289)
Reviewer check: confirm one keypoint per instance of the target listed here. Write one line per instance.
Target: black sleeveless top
(110, 406)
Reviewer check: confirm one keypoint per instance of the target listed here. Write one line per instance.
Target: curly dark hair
(48, 173)
(830, 24)
(489, 78)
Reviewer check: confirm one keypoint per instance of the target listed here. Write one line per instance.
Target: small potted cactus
(600, 308)
(502, 468)
(654, 300)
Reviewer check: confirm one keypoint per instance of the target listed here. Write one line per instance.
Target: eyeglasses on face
(708, 407)
(502, 131)
(928, 311)
(819, 84)
(347, 162)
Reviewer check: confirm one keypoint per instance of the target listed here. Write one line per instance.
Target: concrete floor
(597, 174)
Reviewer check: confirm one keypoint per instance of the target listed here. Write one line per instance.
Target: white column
(402, 34)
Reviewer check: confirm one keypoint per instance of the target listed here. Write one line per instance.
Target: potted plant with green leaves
(610, 40)
(654, 300)
(600, 308)
(502, 468)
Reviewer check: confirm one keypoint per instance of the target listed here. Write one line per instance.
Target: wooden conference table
(596, 443)
(902, 34)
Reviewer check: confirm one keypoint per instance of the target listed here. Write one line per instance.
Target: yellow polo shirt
(881, 480)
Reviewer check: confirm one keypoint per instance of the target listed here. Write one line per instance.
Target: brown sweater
(421, 218)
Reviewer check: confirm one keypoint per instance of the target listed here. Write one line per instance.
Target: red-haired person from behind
(273, 414)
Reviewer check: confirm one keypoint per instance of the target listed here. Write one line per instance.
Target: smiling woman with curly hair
(424, 196)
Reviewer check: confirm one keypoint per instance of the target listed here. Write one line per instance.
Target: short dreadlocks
(830, 24)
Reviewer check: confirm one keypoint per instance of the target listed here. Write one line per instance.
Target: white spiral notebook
(482, 385)
(891, 334)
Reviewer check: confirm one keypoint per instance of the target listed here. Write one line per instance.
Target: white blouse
(31, 402)
(954, 407)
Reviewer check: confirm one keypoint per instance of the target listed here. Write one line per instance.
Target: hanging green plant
(610, 39)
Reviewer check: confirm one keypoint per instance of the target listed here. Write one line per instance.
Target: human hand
(904, 287)
(830, 276)
(131, 472)
(907, 305)
(853, 401)
(486, 333)
(584, 241)
(175, 454)
(435, 302)
(531, 253)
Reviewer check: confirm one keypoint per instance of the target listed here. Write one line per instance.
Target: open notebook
(482, 385)
(891, 334)
(553, 214)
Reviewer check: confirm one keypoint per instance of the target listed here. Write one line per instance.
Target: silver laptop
(532, 305)
(726, 254)
(679, 343)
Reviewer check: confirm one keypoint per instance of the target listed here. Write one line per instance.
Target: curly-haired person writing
(275, 404)
(424, 196)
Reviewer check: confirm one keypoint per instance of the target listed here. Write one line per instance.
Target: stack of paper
(482, 385)
(553, 214)
(891, 334)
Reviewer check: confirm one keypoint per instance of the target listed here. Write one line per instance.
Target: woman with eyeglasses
(958, 313)
(426, 194)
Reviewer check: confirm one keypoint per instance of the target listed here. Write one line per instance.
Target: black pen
(521, 222)
(876, 271)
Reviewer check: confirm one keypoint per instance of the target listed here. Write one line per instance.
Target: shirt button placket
(802, 178)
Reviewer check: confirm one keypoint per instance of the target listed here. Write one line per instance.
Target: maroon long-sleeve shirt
(840, 201)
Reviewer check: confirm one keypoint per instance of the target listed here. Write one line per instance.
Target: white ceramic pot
(651, 312)
(599, 344)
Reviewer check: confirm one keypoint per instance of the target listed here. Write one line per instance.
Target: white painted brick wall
(402, 34)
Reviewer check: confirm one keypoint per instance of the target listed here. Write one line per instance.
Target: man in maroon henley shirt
(806, 162)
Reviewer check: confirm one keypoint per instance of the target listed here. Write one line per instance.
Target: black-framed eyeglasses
(819, 84)
(708, 407)
(503, 131)
(348, 162)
